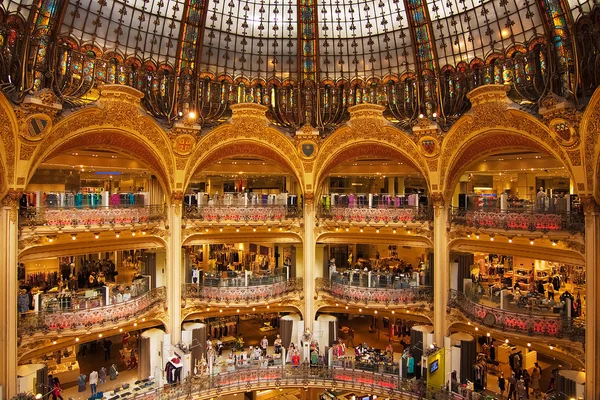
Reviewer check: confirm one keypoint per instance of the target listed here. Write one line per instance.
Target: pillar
(441, 267)
(310, 266)
(592, 322)
(391, 185)
(401, 187)
(9, 234)
(174, 267)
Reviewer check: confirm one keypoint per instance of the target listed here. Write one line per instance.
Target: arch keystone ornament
(367, 118)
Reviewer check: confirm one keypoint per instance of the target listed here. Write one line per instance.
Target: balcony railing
(226, 292)
(60, 321)
(91, 216)
(385, 214)
(526, 323)
(526, 219)
(388, 294)
(241, 213)
(303, 376)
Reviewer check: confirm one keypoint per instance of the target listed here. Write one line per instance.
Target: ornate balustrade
(242, 294)
(251, 213)
(91, 216)
(519, 219)
(45, 322)
(381, 214)
(526, 323)
(379, 295)
(249, 379)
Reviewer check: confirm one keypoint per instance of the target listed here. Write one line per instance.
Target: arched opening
(89, 219)
(517, 220)
(242, 206)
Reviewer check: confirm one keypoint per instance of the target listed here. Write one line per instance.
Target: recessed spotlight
(117, 234)
(74, 236)
(192, 115)
(96, 235)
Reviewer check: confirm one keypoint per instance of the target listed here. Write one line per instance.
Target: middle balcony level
(242, 289)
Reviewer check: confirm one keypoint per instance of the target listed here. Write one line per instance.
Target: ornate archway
(368, 134)
(247, 135)
(117, 124)
(8, 140)
(491, 127)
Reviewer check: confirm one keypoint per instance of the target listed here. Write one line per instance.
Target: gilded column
(174, 267)
(309, 260)
(9, 236)
(592, 323)
(441, 268)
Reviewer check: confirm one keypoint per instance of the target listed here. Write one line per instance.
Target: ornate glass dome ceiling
(316, 56)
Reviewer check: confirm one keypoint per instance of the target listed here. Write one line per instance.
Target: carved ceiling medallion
(429, 146)
(35, 127)
(308, 149)
(184, 144)
(564, 132)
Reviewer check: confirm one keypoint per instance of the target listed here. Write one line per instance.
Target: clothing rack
(480, 369)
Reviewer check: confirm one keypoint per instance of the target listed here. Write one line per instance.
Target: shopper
(56, 390)
(107, 345)
(351, 337)
(512, 387)
(527, 382)
(264, 343)
(93, 382)
(81, 383)
(501, 386)
(102, 375)
(521, 391)
(535, 380)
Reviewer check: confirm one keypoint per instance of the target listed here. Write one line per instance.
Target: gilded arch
(8, 133)
(590, 130)
(81, 130)
(247, 134)
(362, 140)
(493, 126)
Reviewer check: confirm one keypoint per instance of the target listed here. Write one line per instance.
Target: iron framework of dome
(307, 60)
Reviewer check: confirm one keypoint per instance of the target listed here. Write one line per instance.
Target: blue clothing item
(78, 200)
(410, 365)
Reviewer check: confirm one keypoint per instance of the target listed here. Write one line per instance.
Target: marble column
(441, 268)
(309, 261)
(9, 234)
(175, 267)
(592, 323)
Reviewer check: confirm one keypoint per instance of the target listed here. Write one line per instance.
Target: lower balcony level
(384, 385)
(528, 323)
(33, 326)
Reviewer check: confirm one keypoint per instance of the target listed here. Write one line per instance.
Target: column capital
(177, 201)
(309, 199)
(590, 205)
(438, 201)
(11, 198)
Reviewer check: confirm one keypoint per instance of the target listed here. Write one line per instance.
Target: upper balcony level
(371, 208)
(242, 207)
(52, 218)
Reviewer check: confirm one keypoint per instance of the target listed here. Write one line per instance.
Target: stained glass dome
(308, 60)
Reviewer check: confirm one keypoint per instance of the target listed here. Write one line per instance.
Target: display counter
(65, 372)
